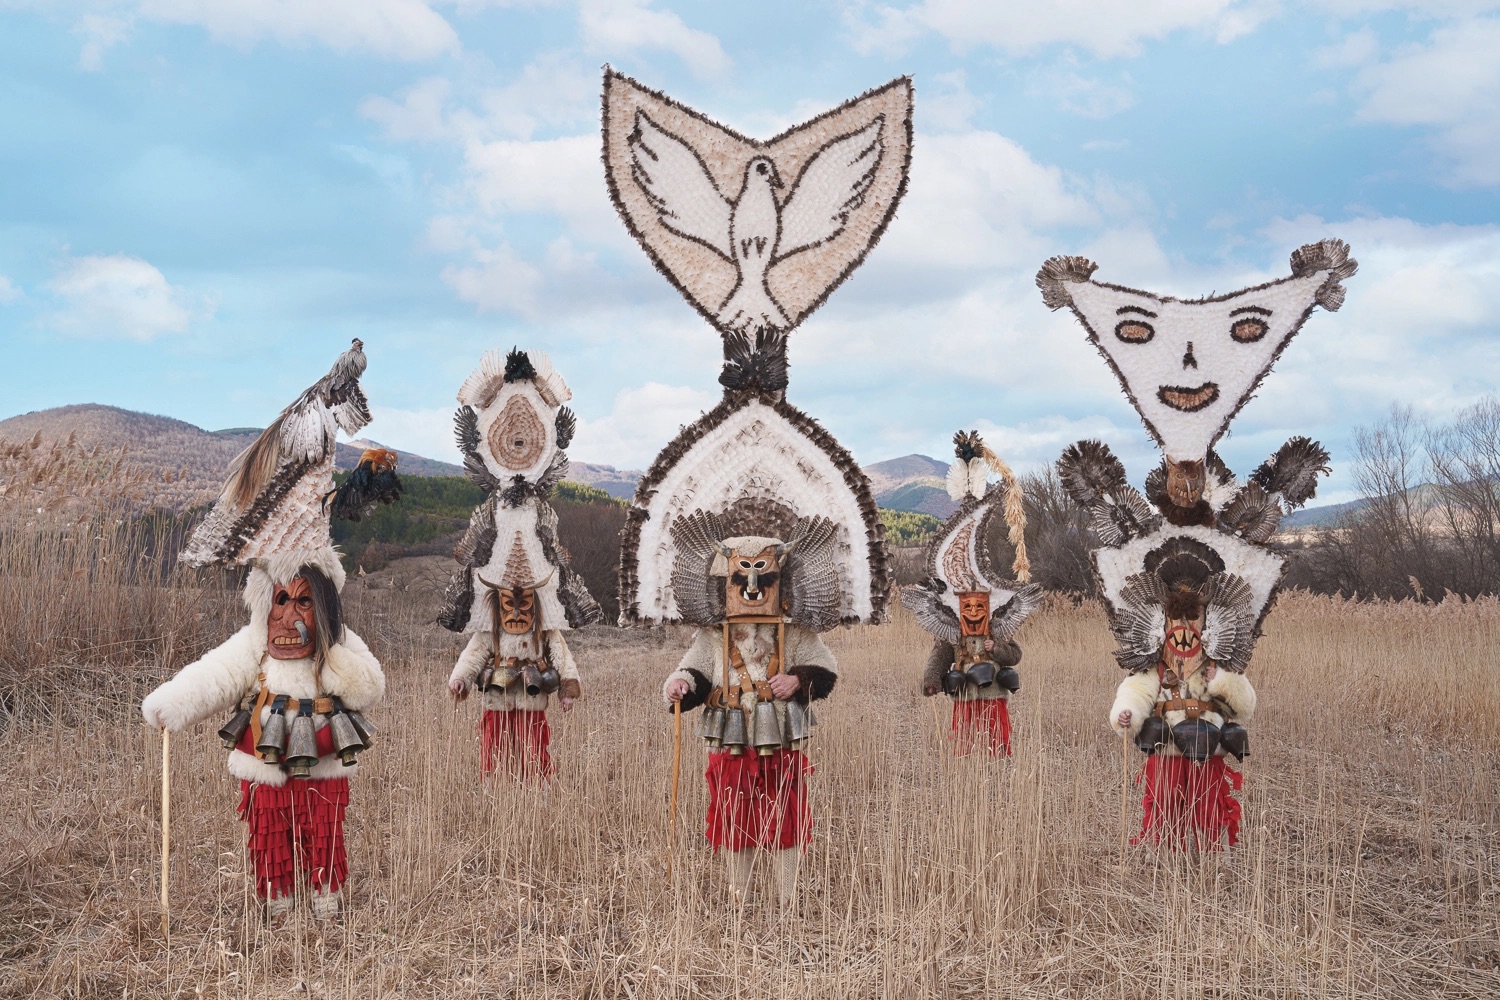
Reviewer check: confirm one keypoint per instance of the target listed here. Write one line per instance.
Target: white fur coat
(1140, 692)
(228, 674)
(479, 652)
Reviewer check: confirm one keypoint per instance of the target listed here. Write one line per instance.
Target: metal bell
(1007, 678)
(734, 731)
(1196, 739)
(503, 678)
(302, 748)
(1152, 736)
(982, 673)
(767, 729)
(482, 682)
(551, 680)
(273, 736)
(532, 677)
(364, 726)
(235, 728)
(711, 726)
(1235, 740)
(347, 742)
(798, 724)
(953, 683)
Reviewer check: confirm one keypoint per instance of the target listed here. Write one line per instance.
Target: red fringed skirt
(981, 723)
(1187, 803)
(516, 742)
(756, 801)
(299, 825)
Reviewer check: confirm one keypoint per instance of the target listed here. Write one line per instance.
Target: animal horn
(786, 547)
(723, 550)
(492, 586)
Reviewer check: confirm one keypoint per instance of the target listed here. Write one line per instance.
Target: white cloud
(8, 291)
(397, 29)
(613, 28)
(418, 117)
(1450, 83)
(499, 279)
(120, 296)
(643, 420)
(560, 177)
(1103, 27)
(100, 32)
(1088, 97)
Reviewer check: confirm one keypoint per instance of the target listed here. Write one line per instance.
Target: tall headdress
(755, 235)
(513, 428)
(1198, 538)
(958, 560)
(274, 510)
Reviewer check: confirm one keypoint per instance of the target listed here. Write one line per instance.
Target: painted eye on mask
(1133, 331)
(1248, 331)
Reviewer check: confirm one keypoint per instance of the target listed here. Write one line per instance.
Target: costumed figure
(1186, 571)
(754, 524)
(514, 589)
(300, 677)
(973, 613)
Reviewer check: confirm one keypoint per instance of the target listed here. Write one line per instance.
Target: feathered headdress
(755, 235)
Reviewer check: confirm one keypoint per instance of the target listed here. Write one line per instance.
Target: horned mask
(752, 569)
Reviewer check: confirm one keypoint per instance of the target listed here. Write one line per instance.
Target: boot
(788, 862)
(325, 904)
(740, 866)
(279, 908)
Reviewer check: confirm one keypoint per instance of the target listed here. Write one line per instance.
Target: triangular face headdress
(958, 561)
(1188, 367)
(755, 235)
(273, 506)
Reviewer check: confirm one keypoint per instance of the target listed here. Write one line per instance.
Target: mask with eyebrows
(1188, 366)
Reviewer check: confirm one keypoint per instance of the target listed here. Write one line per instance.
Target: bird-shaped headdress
(958, 560)
(755, 235)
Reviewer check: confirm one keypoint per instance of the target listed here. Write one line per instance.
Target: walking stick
(1124, 786)
(676, 772)
(166, 826)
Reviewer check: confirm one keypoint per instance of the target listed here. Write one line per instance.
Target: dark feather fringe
(579, 606)
(760, 366)
(466, 429)
(518, 366)
(359, 494)
(1326, 255)
(1059, 272)
(708, 314)
(1253, 514)
(458, 601)
(981, 534)
(1293, 471)
(251, 521)
(966, 445)
(1089, 471)
(478, 543)
(1183, 562)
(854, 479)
(567, 426)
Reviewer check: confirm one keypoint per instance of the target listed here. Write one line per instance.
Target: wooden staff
(166, 826)
(1124, 787)
(676, 772)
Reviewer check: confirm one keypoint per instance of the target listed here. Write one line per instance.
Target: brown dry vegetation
(1368, 864)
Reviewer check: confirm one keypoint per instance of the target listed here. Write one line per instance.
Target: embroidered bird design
(754, 231)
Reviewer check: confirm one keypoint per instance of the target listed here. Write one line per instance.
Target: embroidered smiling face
(1188, 367)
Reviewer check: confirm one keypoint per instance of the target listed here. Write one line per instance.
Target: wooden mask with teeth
(1189, 366)
(752, 579)
(305, 617)
(974, 613)
(517, 609)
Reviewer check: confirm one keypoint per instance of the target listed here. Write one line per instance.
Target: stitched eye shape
(760, 564)
(1133, 331)
(1248, 331)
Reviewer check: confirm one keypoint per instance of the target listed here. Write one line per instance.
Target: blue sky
(200, 203)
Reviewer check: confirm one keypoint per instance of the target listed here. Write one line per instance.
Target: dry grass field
(1369, 863)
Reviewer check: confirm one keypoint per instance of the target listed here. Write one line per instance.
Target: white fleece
(229, 673)
(756, 644)
(1140, 692)
(479, 653)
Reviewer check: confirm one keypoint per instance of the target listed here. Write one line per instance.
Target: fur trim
(353, 674)
(815, 683)
(248, 767)
(210, 685)
(1137, 693)
(1235, 691)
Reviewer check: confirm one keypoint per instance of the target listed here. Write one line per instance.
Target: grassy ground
(1368, 864)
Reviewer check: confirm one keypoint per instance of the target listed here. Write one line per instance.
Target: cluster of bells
(297, 746)
(983, 674)
(1195, 739)
(543, 680)
(725, 727)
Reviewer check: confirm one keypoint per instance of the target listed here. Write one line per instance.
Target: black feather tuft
(966, 445)
(567, 426)
(518, 366)
(1089, 472)
(1293, 471)
(1253, 514)
(759, 366)
(1183, 563)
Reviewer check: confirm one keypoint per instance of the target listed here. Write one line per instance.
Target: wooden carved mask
(292, 626)
(753, 583)
(517, 609)
(974, 613)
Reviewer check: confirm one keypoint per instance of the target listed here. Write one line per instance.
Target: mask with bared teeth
(974, 613)
(292, 625)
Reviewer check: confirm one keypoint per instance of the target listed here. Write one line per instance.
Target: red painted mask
(974, 613)
(292, 628)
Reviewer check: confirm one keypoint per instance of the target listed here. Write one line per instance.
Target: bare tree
(1465, 463)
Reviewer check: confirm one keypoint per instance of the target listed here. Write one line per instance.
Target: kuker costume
(300, 677)
(1185, 571)
(754, 524)
(970, 609)
(514, 589)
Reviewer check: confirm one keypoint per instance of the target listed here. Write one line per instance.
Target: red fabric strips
(516, 742)
(1187, 803)
(757, 801)
(984, 724)
(297, 826)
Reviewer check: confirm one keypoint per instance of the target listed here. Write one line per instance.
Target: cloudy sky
(200, 203)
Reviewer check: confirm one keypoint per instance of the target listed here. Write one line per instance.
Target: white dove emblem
(753, 231)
